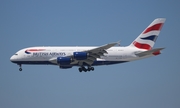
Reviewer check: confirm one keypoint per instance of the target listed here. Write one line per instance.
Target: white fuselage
(46, 54)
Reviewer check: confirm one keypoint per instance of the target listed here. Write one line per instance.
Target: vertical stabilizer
(147, 38)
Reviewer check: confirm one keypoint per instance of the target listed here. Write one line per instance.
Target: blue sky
(148, 83)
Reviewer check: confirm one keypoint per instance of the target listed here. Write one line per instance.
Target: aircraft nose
(12, 59)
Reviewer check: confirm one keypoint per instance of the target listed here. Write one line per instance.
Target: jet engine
(64, 60)
(80, 55)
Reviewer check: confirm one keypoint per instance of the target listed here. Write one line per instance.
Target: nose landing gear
(20, 68)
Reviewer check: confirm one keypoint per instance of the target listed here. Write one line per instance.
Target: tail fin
(147, 38)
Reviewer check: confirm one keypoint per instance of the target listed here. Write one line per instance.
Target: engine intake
(80, 55)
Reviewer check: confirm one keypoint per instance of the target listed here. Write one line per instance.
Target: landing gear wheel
(20, 69)
(86, 69)
(80, 69)
(92, 68)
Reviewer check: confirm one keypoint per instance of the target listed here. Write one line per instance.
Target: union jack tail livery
(147, 38)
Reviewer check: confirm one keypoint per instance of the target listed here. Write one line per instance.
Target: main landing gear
(85, 70)
(20, 68)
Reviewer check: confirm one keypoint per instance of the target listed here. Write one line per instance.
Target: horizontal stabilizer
(155, 51)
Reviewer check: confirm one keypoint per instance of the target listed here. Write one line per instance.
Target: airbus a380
(87, 57)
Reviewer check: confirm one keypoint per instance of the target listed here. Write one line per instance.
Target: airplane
(87, 57)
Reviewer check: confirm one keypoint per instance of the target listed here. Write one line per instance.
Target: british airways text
(49, 54)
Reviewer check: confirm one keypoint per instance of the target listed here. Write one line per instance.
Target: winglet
(118, 43)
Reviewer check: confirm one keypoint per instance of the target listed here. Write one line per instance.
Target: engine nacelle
(64, 60)
(65, 67)
(80, 55)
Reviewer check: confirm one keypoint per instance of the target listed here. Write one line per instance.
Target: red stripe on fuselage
(154, 27)
(141, 46)
(35, 50)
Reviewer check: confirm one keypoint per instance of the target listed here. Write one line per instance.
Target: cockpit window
(15, 54)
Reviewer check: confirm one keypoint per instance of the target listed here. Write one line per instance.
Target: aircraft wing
(102, 49)
(95, 53)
